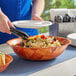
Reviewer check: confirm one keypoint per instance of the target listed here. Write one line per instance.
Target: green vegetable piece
(54, 39)
(1, 53)
(22, 44)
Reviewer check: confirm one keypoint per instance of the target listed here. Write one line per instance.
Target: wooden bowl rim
(69, 42)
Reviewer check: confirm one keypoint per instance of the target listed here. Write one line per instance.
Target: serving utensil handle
(19, 33)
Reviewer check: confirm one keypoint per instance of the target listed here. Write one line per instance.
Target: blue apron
(17, 10)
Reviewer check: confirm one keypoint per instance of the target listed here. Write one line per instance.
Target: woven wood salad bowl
(38, 53)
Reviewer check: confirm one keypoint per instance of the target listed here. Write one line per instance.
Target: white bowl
(72, 37)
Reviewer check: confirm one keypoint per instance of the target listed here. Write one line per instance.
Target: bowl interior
(14, 41)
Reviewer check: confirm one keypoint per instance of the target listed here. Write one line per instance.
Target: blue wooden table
(21, 67)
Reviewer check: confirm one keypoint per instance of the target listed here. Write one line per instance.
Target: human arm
(37, 10)
(4, 23)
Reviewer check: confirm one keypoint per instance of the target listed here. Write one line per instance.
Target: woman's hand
(36, 18)
(37, 9)
(4, 23)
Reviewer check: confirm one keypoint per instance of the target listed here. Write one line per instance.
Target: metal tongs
(19, 33)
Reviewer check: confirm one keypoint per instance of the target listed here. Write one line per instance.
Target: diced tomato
(35, 38)
(30, 36)
(19, 44)
(43, 37)
(52, 42)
